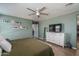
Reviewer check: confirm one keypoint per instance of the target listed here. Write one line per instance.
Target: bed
(30, 47)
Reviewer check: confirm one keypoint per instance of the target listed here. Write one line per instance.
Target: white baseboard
(74, 48)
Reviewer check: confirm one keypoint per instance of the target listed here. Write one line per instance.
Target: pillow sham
(5, 45)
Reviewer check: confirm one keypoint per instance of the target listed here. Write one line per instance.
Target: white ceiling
(53, 9)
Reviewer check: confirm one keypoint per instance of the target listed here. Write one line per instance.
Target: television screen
(55, 28)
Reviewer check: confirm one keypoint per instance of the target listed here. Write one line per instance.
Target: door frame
(76, 29)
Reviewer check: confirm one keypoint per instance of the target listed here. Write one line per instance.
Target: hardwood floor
(60, 51)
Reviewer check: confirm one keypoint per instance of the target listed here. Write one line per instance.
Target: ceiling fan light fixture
(37, 13)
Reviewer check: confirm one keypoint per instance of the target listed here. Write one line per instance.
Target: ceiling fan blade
(43, 13)
(42, 9)
(31, 9)
(32, 14)
(68, 4)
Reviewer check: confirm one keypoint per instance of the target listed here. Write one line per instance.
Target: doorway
(78, 32)
(35, 29)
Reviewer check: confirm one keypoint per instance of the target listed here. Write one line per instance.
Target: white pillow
(5, 45)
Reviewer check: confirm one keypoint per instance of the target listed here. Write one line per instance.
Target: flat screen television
(55, 28)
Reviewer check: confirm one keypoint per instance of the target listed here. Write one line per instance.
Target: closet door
(35, 29)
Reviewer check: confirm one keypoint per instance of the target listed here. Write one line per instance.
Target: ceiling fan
(37, 12)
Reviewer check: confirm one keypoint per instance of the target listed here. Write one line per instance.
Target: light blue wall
(8, 31)
(69, 22)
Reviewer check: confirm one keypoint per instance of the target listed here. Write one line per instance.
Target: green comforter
(30, 47)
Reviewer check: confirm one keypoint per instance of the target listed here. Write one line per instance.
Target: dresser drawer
(61, 43)
(56, 38)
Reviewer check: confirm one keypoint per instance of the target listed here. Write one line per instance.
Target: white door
(35, 28)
